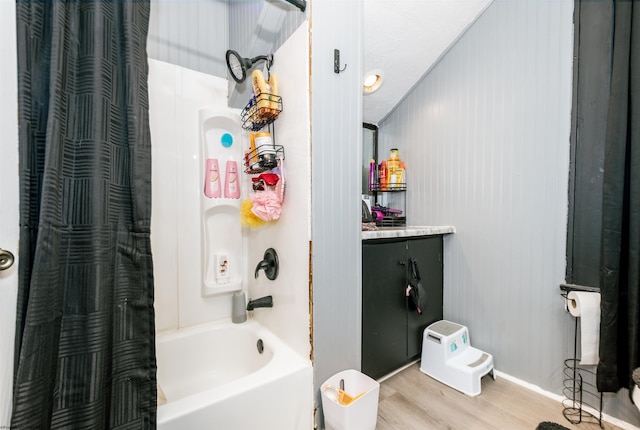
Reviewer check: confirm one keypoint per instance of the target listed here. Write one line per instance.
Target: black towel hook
(336, 62)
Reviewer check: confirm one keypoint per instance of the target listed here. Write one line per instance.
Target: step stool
(447, 356)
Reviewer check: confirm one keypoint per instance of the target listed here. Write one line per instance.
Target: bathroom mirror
(369, 151)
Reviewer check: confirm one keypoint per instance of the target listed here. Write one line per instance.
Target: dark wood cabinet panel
(428, 254)
(391, 327)
(383, 307)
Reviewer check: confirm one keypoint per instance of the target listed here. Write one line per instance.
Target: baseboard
(395, 372)
(612, 420)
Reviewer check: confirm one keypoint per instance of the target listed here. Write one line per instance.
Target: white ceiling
(403, 39)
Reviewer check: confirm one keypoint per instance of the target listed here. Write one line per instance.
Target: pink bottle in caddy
(232, 181)
(212, 187)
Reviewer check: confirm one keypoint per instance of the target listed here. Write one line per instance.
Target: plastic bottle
(212, 179)
(394, 160)
(273, 90)
(253, 154)
(238, 308)
(231, 182)
(382, 175)
(393, 164)
(265, 149)
(372, 174)
(400, 177)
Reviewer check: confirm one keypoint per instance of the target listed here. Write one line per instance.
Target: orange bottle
(382, 177)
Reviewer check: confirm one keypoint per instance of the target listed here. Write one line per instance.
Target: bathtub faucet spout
(262, 302)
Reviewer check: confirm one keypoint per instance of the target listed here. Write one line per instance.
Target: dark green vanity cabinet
(391, 327)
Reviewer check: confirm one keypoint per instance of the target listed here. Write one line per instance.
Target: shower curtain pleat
(85, 334)
(620, 253)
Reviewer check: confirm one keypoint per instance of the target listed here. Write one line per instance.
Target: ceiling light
(372, 81)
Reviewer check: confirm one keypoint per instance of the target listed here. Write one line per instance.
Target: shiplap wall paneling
(258, 27)
(336, 109)
(486, 139)
(192, 34)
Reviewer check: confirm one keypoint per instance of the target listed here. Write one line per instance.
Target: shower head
(238, 65)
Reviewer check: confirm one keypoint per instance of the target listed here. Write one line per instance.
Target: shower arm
(300, 4)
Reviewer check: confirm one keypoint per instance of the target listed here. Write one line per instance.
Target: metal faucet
(262, 302)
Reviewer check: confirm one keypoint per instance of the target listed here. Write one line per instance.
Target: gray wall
(197, 33)
(487, 135)
(258, 27)
(192, 34)
(336, 137)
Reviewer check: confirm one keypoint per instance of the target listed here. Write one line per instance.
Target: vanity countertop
(409, 231)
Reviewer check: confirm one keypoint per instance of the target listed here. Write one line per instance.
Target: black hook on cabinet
(336, 62)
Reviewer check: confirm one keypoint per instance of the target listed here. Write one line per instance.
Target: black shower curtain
(620, 257)
(85, 347)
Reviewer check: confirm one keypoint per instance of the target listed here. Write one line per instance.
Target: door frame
(9, 201)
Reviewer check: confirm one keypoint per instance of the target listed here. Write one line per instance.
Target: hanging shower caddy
(261, 112)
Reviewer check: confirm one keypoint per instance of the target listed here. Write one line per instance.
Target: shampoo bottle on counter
(212, 179)
(231, 181)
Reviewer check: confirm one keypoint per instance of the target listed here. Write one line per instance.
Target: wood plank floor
(411, 400)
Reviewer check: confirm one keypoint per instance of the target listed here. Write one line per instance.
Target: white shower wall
(291, 235)
(176, 97)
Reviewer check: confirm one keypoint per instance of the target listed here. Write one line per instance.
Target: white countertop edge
(410, 231)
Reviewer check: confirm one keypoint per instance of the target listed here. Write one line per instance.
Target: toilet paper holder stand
(575, 388)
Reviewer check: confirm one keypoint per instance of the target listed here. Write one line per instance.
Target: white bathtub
(214, 378)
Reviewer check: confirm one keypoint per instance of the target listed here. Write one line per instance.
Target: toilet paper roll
(586, 306)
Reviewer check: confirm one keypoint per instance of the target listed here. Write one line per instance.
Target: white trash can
(359, 407)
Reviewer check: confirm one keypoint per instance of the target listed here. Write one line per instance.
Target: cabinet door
(428, 254)
(384, 316)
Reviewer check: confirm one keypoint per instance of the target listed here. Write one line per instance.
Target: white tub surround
(232, 376)
(290, 236)
(182, 103)
(221, 241)
(394, 232)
